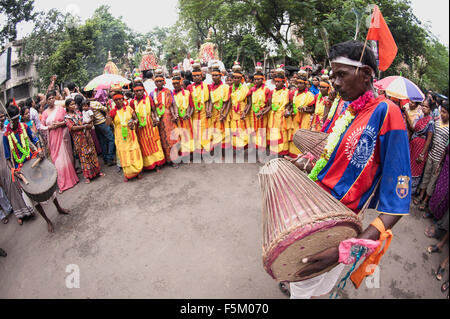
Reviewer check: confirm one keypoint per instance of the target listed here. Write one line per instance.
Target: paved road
(192, 232)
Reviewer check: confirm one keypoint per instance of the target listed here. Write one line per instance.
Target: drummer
(373, 149)
(16, 135)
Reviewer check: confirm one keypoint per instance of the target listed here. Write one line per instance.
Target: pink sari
(60, 148)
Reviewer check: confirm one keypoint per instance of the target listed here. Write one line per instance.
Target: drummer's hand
(294, 161)
(320, 261)
(41, 154)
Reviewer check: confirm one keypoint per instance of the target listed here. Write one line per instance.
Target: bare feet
(50, 227)
(20, 221)
(101, 174)
(139, 176)
(63, 211)
(5, 220)
(125, 180)
(87, 181)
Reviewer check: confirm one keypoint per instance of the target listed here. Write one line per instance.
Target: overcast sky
(143, 15)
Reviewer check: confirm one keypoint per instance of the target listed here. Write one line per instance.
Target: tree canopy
(291, 31)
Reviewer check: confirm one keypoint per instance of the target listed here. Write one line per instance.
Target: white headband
(347, 61)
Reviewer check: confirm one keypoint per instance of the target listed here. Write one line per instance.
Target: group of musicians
(367, 150)
(201, 118)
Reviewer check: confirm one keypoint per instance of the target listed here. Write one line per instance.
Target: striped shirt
(99, 112)
(440, 141)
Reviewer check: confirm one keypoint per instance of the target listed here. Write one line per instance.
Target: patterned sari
(416, 145)
(84, 146)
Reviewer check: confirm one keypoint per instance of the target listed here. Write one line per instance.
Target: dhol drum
(299, 219)
(42, 179)
(310, 141)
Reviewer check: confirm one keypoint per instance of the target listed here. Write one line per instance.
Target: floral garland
(276, 108)
(237, 108)
(182, 110)
(339, 128)
(142, 123)
(218, 108)
(16, 147)
(195, 98)
(256, 107)
(162, 110)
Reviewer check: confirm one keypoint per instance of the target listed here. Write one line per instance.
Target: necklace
(219, 107)
(161, 110)
(237, 107)
(259, 98)
(339, 128)
(123, 123)
(182, 110)
(194, 95)
(276, 107)
(15, 147)
(142, 119)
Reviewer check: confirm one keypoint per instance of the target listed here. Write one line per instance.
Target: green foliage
(244, 30)
(14, 12)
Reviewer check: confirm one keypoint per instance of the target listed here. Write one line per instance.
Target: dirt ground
(192, 232)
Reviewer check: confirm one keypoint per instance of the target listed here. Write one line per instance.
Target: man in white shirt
(187, 63)
(149, 84)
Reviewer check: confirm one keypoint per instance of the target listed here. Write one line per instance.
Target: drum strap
(368, 267)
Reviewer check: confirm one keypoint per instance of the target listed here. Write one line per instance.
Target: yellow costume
(239, 128)
(317, 119)
(127, 143)
(219, 96)
(278, 123)
(301, 120)
(259, 125)
(182, 98)
(148, 135)
(200, 125)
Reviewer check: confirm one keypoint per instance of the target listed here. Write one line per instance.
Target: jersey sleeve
(394, 192)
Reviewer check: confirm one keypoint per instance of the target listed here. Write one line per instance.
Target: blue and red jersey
(374, 148)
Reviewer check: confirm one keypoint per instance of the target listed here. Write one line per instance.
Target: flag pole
(365, 43)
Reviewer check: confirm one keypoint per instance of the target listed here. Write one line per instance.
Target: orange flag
(379, 31)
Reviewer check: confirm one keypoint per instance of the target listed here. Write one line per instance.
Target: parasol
(400, 88)
(105, 81)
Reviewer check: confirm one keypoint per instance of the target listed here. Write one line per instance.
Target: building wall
(20, 86)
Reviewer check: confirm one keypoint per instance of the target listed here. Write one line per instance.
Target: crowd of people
(159, 119)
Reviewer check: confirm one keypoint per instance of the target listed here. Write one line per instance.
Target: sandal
(433, 249)
(444, 286)
(439, 272)
(426, 215)
(417, 200)
(284, 289)
(5, 220)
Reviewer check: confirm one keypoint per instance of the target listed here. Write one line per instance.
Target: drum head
(289, 261)
(41, 178)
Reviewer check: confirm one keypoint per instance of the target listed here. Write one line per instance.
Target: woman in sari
(82, 140)
(147, 132)
(125, 122)
(165, 113)
(419, 146)
(59, 143)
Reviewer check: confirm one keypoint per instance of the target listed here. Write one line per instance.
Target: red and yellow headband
(259, 77)
(324, 84)
(139, 87)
